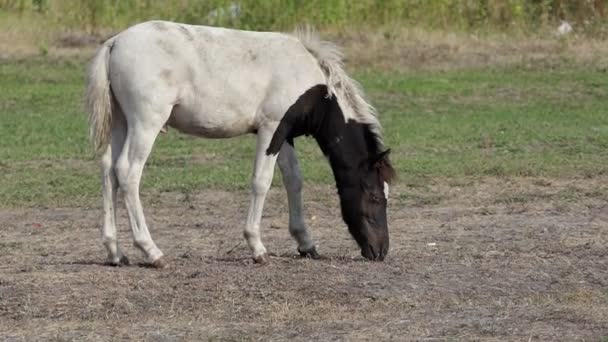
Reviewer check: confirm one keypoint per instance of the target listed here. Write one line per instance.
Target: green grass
(498, 122)
(513, 121)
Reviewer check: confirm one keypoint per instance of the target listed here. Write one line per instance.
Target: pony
(216, 82)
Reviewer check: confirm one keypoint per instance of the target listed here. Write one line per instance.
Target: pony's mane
(348, 91)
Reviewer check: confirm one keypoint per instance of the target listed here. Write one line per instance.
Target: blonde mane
(348, 91)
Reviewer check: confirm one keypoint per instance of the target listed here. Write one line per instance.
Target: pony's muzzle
(375, 254)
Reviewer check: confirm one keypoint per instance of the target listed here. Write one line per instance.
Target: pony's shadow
(85, 263)
(106, 264)
(291, 256)
(322, 258)
(283, 257)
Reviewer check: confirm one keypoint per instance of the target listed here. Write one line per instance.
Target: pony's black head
(362, 171)
(364, 205)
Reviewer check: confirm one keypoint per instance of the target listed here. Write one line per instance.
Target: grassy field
(498, 222)
(534, 120)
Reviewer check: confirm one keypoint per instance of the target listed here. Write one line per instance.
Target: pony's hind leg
(109, 190)
(292, 179)
(129, 169)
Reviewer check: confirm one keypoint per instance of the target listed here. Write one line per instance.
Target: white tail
(99, 97)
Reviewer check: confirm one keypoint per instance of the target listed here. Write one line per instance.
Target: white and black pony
(220, 83)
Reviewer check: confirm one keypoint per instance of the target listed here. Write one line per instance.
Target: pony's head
(361, 170)
(364, 205)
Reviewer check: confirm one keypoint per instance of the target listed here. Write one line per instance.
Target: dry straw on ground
(499, 259)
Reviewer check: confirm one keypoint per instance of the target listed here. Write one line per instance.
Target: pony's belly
(215, 124)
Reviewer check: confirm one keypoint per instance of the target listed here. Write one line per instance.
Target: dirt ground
(482, 259)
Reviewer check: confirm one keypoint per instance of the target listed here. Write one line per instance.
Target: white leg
(110, 188)
(292, 179)
(129, 169)
(261, 180)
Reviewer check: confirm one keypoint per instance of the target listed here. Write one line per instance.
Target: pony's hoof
(262, 259)
(123, 261)
(310, 253)
(159, 263)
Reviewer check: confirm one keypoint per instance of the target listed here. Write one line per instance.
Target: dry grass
(415, 49)
(498, 270)
(387, 49)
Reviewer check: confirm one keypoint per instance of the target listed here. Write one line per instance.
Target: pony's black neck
(347, 144)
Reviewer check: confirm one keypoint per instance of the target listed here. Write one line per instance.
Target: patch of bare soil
(489, 259)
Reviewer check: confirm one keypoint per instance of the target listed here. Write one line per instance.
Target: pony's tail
(99, 97)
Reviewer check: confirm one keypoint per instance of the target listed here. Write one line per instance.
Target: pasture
(498, 221)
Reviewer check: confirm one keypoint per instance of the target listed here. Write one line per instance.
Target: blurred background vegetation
(464, 15)
(466, 88)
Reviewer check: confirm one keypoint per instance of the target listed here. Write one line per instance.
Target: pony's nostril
(383, 255)
(368, 252)
(374, 254)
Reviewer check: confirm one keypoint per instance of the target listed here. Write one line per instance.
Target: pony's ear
(380, 157)
(382, 163)
(298, 119)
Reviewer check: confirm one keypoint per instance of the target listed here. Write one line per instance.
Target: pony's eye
(375, 198)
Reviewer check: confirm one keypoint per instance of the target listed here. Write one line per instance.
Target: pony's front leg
(260, 183)
(292, 179)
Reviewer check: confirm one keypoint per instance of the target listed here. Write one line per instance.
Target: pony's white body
(205, 81)
(222, 82)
